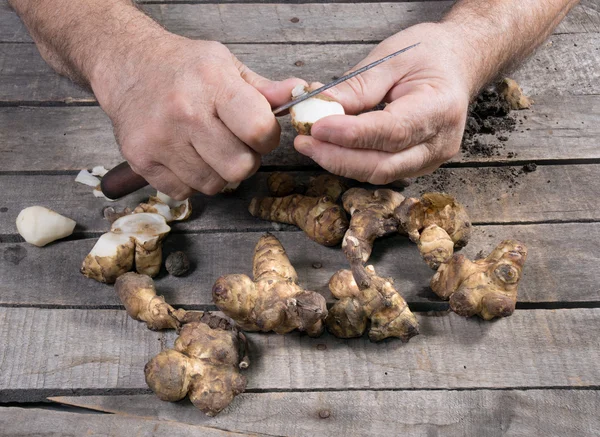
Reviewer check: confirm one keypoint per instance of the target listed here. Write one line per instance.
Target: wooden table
(67, 338)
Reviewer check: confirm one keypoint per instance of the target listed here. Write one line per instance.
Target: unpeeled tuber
(326, 185)
(363, 297)
(177, 263)
(273, 301)
(437, 222)
(308, 112)
(281, 184)
(40, 226)
(371, 216)
(321, 219)
(132, 237)
(487, 287)
(510, 90)
(205, 361)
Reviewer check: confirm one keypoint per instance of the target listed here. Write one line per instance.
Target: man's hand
(187, 115)
(190, 117)
(427, 92)
(427, 89)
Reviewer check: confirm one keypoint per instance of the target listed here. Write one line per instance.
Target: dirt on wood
(489, 120)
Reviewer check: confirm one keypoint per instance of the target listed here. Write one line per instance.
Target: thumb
(277, 93)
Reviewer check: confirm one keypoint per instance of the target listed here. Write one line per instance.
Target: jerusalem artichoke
(432, 221)
(321, 219)
(326, 185)
(40, 226)
(281, 184)
(135, 236)
(487, 287)
(372, 216)
(207, 354)
(364, 296)
(308, 112)
(273, 301)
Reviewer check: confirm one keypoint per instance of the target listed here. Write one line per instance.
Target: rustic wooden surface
(67, 338)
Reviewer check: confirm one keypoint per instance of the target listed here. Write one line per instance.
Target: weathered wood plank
(570, 65)
(561, 266)
(32, 422)
(491, 195)
(42, 139)
(484, 413)
(317, 22)
(55, 352)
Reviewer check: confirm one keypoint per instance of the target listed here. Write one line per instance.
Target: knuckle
(178, 106)
(264, 134)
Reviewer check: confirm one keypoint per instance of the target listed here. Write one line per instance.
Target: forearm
(498, 34)
(83, 39)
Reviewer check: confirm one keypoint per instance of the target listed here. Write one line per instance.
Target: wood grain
(49, 352)
(567, 64)
(42, 139)
(35, 422)
(492, 195)
(318, 22)
(561, 266)
(485, 413)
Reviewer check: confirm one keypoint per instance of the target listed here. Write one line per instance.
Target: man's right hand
(188, 115)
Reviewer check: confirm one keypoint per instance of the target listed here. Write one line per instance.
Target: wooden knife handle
(121, 181)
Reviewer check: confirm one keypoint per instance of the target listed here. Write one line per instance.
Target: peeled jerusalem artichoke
(40, 226)
(273, 301)
(487, 287)
(306, 113)
(132, 237)
(169, 208)
(370, 298)
(321, 219)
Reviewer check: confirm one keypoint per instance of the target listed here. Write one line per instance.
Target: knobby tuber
(281, 184)
(320, 218)
(308, 112)
(205, 361)
(437, 223)
(488, 286)
(510, 90)
(273, 301)
(40, 226)
(132, 237)
(326, 185)
(363, 297)
(371, 216)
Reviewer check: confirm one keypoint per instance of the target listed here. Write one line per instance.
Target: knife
(122, 180)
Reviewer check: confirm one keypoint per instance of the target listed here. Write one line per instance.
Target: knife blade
(122, 180)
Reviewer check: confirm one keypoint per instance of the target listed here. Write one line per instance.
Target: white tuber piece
(86, 178)
(169, 208)
(134, 237)
(306, 113)
(100, 194)
(99, 170)
(230, 187)
(40, 226)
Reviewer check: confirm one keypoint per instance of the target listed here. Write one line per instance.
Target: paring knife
(122, 180)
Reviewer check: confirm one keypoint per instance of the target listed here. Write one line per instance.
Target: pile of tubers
(206, 360)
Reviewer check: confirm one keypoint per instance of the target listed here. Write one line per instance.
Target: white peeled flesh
(173, 203)
(108, 244)
(84, 177)
(100, 194)
(298, 91)
(230, 187)
(40, 226)
(143, 226)
(99, 170)
(314, 109)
